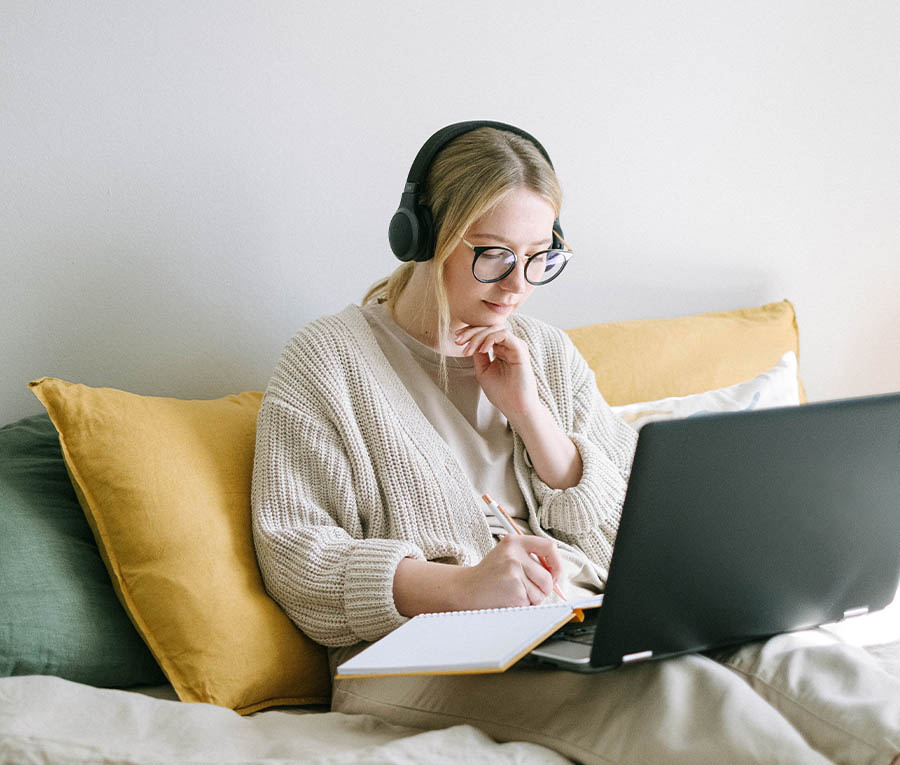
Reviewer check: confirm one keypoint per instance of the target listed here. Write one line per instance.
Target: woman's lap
(843, 700)
(784, 700)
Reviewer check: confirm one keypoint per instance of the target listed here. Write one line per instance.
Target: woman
(382, 427)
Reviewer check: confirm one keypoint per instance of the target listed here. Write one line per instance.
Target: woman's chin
(482, 315)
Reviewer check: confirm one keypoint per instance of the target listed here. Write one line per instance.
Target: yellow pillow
(165, 485)
(651, 359)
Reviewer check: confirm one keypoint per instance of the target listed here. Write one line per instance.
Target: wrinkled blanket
(50, 720)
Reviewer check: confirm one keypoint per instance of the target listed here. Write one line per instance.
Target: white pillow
(775, 387)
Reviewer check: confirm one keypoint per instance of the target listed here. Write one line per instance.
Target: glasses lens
(493, 263)
(545, 266)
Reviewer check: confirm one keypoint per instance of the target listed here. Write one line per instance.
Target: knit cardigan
(349, 476)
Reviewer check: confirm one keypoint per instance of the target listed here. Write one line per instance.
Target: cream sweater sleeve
(588, 513)
(334, 584)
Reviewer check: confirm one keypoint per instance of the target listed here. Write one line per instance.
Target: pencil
(510, 525)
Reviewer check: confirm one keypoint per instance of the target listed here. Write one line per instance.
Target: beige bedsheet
(50, 720)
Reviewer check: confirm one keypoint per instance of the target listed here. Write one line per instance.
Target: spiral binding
(495, 610)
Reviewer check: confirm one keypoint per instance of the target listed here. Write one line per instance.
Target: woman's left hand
(508, 380)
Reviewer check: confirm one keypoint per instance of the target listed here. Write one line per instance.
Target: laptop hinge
(639, 656)
(856, 611)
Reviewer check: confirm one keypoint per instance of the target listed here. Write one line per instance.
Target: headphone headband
(411, 232)
(442, 137)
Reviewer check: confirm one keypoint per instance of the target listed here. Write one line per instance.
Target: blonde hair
(467, 178)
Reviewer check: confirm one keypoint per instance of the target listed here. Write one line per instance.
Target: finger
(489, 340)
(539, 578)
(534, 593)
(545, 549)
(486, 347)
(463, 334)
(482, 362)
(535, 544)
(517, 548)
(470, 343)
(466, 334)
(477, 339)
(533, 587)
(553, 563)
(506, 347)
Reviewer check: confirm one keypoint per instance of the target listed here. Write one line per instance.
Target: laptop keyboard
(578, 634)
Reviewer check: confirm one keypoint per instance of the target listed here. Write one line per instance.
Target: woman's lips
(498, 307)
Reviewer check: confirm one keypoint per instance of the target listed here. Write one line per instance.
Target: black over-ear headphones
(411, 232)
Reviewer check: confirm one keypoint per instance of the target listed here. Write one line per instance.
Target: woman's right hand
(509, 575)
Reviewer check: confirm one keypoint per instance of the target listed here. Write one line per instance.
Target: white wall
(182, 185)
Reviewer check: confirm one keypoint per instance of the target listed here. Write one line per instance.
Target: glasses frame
(567, 254)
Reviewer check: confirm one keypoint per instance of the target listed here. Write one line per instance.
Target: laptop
(739, 526)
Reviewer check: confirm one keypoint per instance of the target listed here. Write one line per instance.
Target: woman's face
(521, 221)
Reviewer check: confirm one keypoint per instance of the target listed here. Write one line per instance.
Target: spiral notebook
(462, 642)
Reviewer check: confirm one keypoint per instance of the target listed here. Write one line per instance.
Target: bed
(134, 625)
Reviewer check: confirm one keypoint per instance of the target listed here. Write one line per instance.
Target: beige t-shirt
(476, 431)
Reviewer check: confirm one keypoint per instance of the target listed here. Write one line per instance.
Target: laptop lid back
(742, 525)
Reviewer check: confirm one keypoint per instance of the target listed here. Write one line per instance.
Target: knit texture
(349, 476)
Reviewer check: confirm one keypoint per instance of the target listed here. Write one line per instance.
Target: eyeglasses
(491, 264)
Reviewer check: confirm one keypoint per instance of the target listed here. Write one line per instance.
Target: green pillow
(59, 614)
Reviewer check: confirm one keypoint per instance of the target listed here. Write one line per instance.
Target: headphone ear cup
(426, 235)
(411, 233)
(403, 234)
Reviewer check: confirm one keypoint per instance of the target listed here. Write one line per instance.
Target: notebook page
(459, 641)
(594, 601)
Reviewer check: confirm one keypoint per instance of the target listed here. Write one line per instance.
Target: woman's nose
(516, 281)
